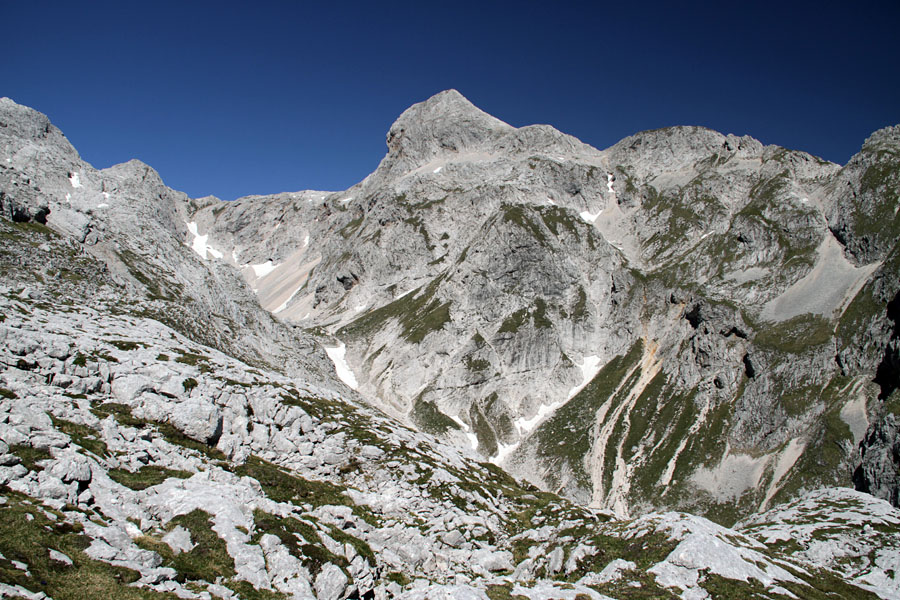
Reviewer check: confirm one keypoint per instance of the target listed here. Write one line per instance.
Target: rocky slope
(164, 436)
(685, 320)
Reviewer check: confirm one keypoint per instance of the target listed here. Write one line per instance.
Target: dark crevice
(887, 375)
(748, 367)
(738, 332)
(693, 316)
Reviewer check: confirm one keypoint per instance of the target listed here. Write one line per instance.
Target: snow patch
(103, 205)
(854, 415)
(263, 269)
(503, 451)
(306, 241)
(473, 439)
(75, 180)
(589, 366)
(438, 170)
(199, 243)
(609, 184)
(344, 372)
(589, 216)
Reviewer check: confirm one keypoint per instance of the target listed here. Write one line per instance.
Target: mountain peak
(446, 122)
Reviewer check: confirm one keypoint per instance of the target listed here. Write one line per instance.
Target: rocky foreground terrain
(321, 395)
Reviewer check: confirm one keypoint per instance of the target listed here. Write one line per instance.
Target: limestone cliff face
(140, 229)
(684, 320)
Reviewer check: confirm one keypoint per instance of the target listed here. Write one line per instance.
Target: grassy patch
(145, 477)
(26, 534)
(795, 335)
(558, 219)
(518, 215)
(29, 456)
(126, 345)
(300, 538)
(195, 360)
(419, 313)
(282, 486)
(120, 412)
(82, 435)
(476, 365)
(428, 417)
(536, 315)
(9, 395)
(174, 436)
(209, 559)
(564, 439)
(400, 579)
(502, 592)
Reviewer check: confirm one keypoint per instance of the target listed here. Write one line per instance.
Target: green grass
(82, 435)
(26, 534)
(558, 219)
(176, 437)
(8, 394)
(523, 217)
(281, 486)
(29, 456)
(535, 315)
(195, 360)
(146, 476)
(502, 592)
(828, 453)
(428, 417)
(564, 439)
(795, 335)
(476, 365)
(189, 384)
(487, 439)
(300, 538)
(209, 559)
(120, 412)
(126, 345)
(419, 313)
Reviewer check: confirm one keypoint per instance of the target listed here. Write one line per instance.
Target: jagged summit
(446, 123)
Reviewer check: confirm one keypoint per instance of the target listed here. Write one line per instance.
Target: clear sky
(237, 98)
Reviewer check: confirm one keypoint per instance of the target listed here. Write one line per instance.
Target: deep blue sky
(237, 98)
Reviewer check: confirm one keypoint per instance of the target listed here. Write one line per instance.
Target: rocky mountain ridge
(592, 320)
(484, 275)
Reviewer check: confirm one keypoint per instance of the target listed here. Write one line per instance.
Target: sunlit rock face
(301, 393)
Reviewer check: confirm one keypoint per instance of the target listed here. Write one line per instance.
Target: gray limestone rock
(197, 419)
(330, 582)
